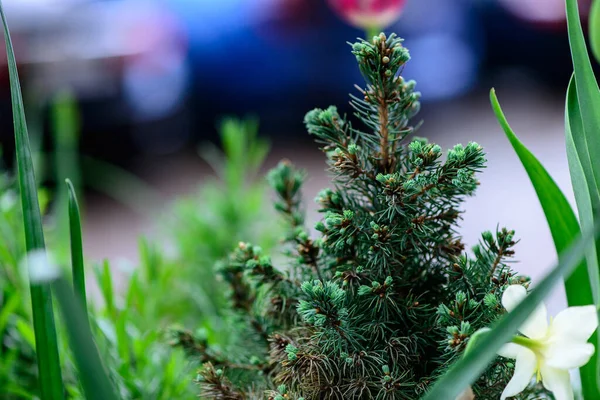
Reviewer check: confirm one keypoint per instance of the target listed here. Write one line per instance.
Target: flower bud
(368, 14)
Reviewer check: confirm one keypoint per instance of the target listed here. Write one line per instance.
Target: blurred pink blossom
(368, 14)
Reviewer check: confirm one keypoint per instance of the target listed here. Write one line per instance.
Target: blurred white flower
(41, 267)
(548, 351)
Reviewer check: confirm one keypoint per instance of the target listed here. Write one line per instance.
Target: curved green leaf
(564, 228)
(77, 264)
(586, 196)
(559, 214)
(92, 374)
(588, 94)
(41, 298)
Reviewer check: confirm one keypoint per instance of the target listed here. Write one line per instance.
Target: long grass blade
(77, 263)
(583, 124)
(588, 94)
(65, 127)
(92, 374)
(41, 299)
(588, 201)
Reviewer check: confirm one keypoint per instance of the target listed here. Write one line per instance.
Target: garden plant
(380, 299)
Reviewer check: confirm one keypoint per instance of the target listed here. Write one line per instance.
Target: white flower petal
(524, 370)
(558, 381)
(536, 326)
(568, 355)
(513, 295)
(575, 323)
(510, 350)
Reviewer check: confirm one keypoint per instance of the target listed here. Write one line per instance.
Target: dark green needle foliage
(385, 298)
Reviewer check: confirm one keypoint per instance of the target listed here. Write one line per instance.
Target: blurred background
(151, 79)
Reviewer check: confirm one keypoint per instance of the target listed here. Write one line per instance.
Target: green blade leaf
(77, 263)
(466, 370)
(587, 200)
(41, 299)
(583, 124)
(93, 376)
(564, 228)
(559, 214)
(65, 128)
(588, 93)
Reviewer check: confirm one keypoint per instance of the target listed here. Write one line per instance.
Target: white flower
(548, 351)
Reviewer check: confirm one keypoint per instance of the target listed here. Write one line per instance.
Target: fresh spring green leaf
(41, 298)
(580, 167)
(92, 374)
(26, 332)
(564, 228)
(77, 263)
(7, 310)
(65, 127)
(104, 278)
(588, 94)
(583, 125)
(466, 370)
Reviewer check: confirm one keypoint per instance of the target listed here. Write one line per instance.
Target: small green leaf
(104, 277)
(41, 298)
(26, 332)
(77, 263)
(8, 308)
(65, 129)
(92, 374)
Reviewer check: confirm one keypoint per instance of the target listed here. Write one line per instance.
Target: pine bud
(320, 226)
(460, 298)
(353, 148)
(465, 328)
(488, 237)
(416, 146)
(490, 300)
(453, 330)
(364, 290)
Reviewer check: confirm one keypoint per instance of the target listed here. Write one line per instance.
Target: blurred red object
(368, 14)
(548, 14)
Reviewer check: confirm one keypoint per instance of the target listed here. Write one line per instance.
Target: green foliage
(386, 298)
(208, 224)
(132, 328)
(49, 371)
